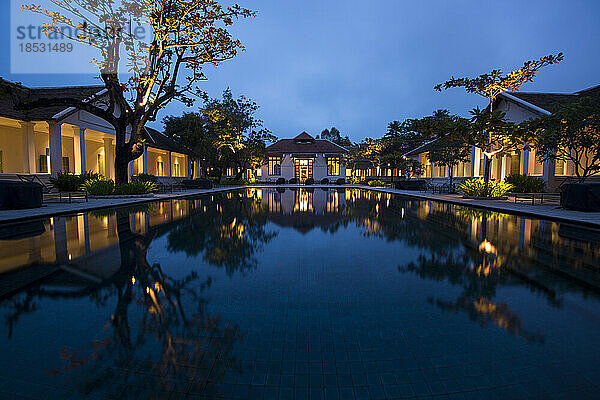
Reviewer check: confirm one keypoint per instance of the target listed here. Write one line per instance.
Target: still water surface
(279, 293)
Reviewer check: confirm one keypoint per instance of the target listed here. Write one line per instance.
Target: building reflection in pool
(158, 324)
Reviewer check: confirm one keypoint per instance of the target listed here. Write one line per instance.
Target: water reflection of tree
(227, 231)
(442, 232)
(159, 339)
(479, 277)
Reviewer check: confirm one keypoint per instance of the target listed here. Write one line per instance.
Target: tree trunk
(122, 156)
(450, 175)
(486, 175)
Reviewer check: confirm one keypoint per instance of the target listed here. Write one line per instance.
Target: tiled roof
(304, 137)
(551, 101)
(304, 143)
(13, 93)
(547, 101)
(159, 140)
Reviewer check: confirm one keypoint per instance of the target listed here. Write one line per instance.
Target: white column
(109, 160)
(474, 162)
(169, 170)
(526, 162)
(82, 166)
(145, 160)
(27, 135)
(76, 151)
(55, 140)
(504, 167)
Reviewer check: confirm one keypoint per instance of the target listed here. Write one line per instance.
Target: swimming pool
(298, 293)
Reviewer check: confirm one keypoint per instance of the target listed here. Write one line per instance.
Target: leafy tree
(491, 86)
(453, 148)
(230, 120)
(191, 130)
(224, 132)
(572, 133)
(336, 137)
(184, 36)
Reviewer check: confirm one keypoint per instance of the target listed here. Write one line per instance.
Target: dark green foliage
(234, 182)
(324, 181)
(336, 137)
(105, 187)
(309, 181)
(66, 182)
(135, 187)
(99, 186)
(146, 178)
(376, 183)
(478, 188)
(280, 181)
(526, 184)
(340, 181)
(293, 181)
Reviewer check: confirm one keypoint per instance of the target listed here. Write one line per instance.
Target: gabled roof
(304, 143)
(159, 140)
(13, 93)
(304, 137)
(546, 101)
(549, 102)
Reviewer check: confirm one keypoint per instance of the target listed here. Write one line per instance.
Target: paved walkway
(544, 211)
(79, 205)
(552, 212)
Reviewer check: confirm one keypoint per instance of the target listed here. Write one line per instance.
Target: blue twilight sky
(357, 65)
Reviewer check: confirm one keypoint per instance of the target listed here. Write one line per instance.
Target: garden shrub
(135, 187)
(476, 188)
(325, 181)
(525, 183)
(99, 186)
(145, 178)
(309, 181)
(340, 181)
(376, 183)
(234, 182)
(293, 181)
(66, 182)
(280, 181)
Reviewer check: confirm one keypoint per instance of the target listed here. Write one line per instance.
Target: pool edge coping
(420, 196)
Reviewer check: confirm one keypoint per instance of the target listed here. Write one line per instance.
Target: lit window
(159, 168)
(274, 165)
(333, 165)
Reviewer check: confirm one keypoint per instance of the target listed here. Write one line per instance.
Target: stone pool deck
(551, 212)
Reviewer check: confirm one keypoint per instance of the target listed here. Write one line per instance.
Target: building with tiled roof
(518, 107)
(304, 157)
(45, 141)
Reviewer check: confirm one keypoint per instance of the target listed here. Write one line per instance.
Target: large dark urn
(581, 196)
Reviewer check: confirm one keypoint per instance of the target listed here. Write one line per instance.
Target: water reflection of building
(302, 209)
(85, 245)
